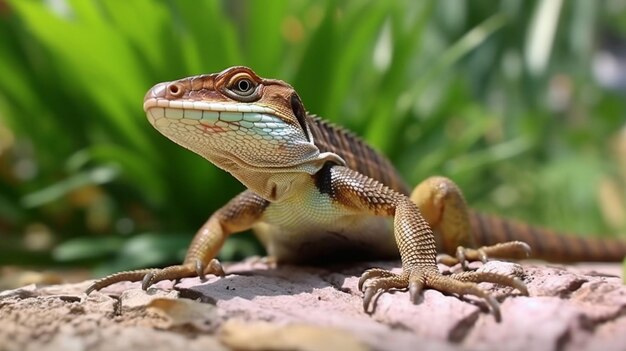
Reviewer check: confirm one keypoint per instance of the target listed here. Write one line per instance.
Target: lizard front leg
(442, 204)
(237, 215)
(414, 237)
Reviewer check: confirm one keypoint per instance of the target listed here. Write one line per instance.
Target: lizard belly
(326, 232)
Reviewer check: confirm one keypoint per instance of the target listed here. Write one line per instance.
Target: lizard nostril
(175, 89)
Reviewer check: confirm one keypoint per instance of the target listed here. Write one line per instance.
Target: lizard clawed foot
(376, 279)
(415, 279)
(149, 277)
(464, 255)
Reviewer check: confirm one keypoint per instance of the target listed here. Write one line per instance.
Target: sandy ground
(256, 307)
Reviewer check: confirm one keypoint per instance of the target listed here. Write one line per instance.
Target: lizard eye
(243, 87)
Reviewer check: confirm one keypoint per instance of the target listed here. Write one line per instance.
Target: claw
(90, 288)
(525, 248)
(415, 290)
(215, 267)
(371, 274)
(367, 297)
(495, 307)
(482, 255)
(416, 285)
(460, 256)
(200, 270)
(362, 281)
(147, 280)
(519, 285)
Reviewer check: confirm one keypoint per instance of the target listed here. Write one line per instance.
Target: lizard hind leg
(442, 205)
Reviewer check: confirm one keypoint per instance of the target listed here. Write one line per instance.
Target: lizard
(316, 191)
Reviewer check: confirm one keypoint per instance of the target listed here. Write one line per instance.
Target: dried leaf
(299, 337)
(15, 278)
(184, 312)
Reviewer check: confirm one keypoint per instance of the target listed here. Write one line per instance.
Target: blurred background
(523, 103)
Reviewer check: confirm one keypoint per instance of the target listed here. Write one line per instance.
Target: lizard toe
(464, 283)
(195, 269)
(131, 276)
(462, 257)
(151, 276)
(415, 289)
(373, 273)
(146, 282)
(506, 250)
(491, 277)
(215, 267)
(385, 281)
(447, 260)
(168, 273)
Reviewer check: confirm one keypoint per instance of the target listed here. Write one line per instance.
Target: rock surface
(255, 307)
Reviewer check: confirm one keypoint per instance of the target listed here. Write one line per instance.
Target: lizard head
(241, 122)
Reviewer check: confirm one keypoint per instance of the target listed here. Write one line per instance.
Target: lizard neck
(278, 183)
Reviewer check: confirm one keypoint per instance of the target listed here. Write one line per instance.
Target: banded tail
(546, 244)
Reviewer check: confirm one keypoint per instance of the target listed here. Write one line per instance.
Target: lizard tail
(546, 244)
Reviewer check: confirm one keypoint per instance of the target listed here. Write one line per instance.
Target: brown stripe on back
(478, 229)
(545, 243)
(569, 245)
(614, 248)
(527, 234)
(599, 247)
(594, 249)
(484, 231)
(539, 246)
(502, 225)
(488, 223)
(358, 155)
(550, 242)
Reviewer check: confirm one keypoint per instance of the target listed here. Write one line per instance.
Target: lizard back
(357, 154)
(485, 229)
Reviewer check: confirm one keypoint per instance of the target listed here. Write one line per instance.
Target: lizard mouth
(202, 111)
(249, 121)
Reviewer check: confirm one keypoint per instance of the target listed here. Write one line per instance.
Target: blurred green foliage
(498, 95)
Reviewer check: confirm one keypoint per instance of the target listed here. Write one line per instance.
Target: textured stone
(580, 307)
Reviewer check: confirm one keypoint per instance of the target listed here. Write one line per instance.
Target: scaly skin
(317, 192)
